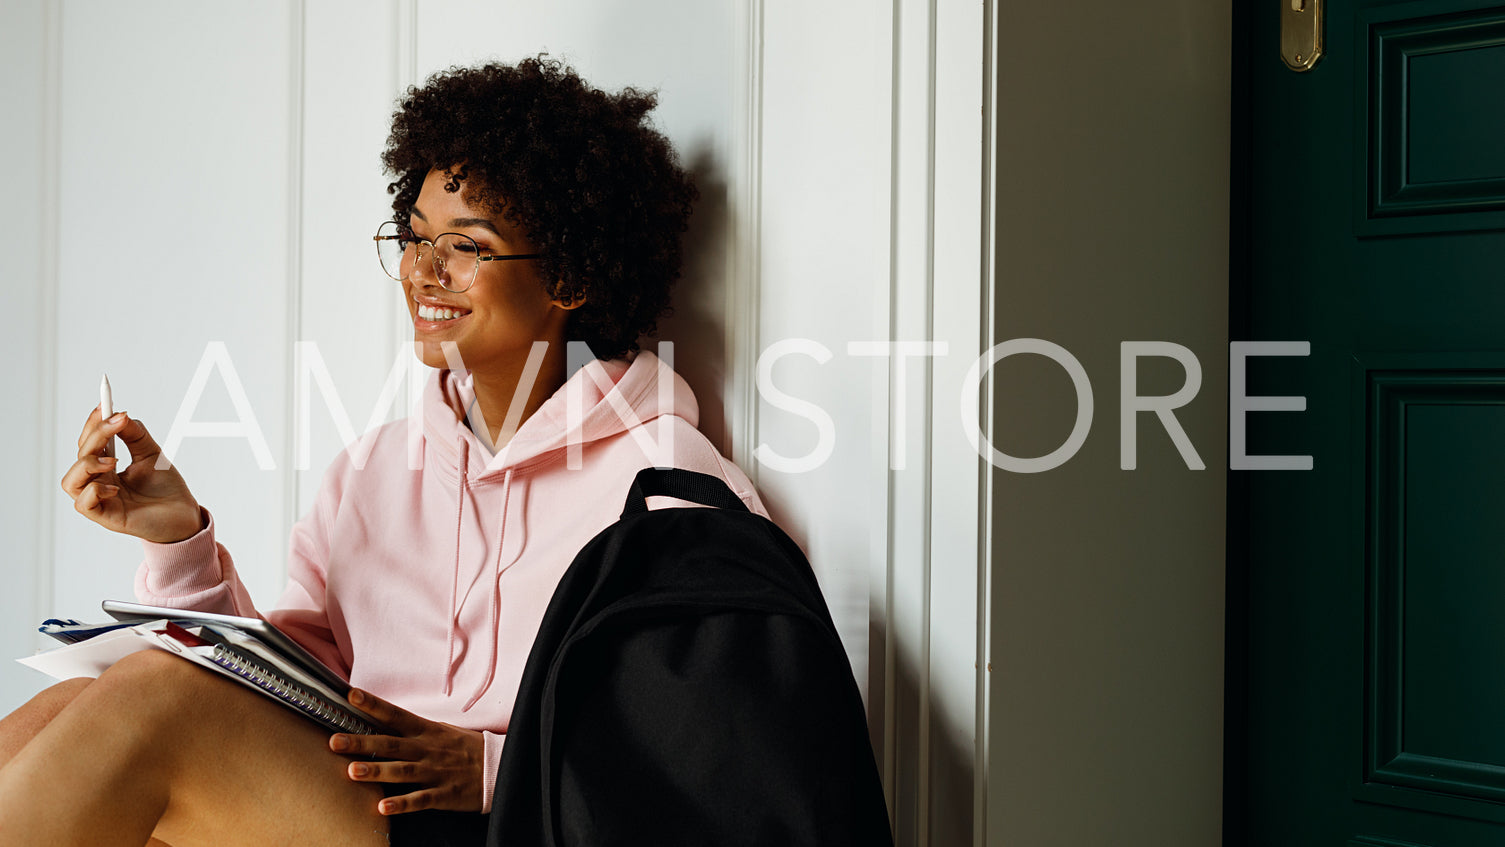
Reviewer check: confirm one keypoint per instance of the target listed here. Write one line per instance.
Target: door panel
(1376, 581)
(1434, 538)
(1431, 78)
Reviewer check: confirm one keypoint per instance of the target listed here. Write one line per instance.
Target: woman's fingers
(83, 471)
(428, 798)
(396, 772)
(141, 499)
(140, 442)
(383, 746)
(442, 761)
(89, 423)
(407, 773)
(93, 497)
(97, 434)
(405, 723)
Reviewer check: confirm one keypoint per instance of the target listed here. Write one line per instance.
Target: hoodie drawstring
(496, 582)
(454, 588)
(496, 596)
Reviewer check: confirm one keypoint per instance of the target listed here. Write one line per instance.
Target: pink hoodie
(426, 586)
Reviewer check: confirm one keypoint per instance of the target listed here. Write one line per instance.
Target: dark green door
(1367, 596)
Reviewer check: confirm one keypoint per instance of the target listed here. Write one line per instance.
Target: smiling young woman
(530, 211)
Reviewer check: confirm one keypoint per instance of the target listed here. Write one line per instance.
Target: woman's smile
(434, 314)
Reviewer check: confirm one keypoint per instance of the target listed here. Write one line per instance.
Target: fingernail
(386, 807)
(117, 417)
(357, 697)
(359, 769)
(339, 743)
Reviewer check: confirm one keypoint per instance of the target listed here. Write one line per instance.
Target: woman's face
(505, 309)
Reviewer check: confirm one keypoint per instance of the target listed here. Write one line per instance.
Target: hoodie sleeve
(303, 610)
(195, 573)
(489, 764)
(198, 573)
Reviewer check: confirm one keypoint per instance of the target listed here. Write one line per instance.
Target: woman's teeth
(429, 313)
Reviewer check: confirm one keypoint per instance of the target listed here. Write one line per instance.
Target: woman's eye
(466, 247)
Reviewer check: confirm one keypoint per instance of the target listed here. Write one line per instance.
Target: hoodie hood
(601, 400)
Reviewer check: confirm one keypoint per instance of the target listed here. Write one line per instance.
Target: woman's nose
(424, 272)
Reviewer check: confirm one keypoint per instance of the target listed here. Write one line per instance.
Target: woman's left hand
(442, 760)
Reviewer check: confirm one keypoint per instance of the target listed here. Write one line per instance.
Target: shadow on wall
(948, 801)
(697, 325)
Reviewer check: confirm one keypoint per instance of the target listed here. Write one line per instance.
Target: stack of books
(248, 650)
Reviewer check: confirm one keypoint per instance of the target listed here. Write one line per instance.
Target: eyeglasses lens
(454, 256)
(455, 261)
(391, 248)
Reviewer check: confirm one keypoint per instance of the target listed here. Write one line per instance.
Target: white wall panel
(27, 223)
(931, 615)
(348, 309)
(174, 199)
(824, 283)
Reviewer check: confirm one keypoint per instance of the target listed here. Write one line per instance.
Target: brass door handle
(1300, 33)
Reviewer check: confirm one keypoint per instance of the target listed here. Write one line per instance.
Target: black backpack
(687, 687)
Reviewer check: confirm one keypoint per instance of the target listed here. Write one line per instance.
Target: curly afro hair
(581, 171)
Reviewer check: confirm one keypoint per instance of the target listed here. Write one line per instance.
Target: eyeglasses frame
(418, 257)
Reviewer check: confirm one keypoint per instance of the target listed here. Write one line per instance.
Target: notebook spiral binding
(313, 704)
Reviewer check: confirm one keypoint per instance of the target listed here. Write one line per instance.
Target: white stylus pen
(106, 409)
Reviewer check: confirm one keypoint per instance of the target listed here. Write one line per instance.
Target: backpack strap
(694, 486)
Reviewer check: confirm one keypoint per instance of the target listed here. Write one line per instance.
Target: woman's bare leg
(19, 727)
(158, 745)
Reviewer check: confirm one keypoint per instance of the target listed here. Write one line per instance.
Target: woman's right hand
(143, 501)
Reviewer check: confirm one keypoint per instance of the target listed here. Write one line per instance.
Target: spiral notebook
(221, 647)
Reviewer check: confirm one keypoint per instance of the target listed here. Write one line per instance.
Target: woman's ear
(567, 303)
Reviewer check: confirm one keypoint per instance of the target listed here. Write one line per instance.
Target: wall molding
(296, 95)
(404, 75)
(50, 245)
(744, 296)
(937, 568)
(906, 620)
(989, 259)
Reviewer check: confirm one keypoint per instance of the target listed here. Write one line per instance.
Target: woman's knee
(156, 680)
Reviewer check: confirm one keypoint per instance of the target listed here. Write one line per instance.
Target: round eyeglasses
(455, 257)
